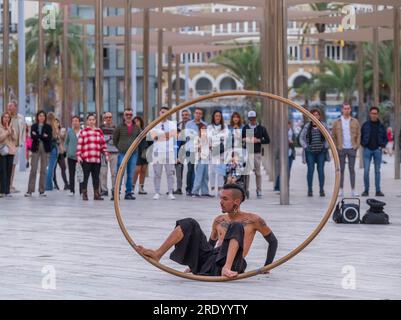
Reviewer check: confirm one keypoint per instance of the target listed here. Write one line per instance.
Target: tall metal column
(159, 70)
(41, 52)
(85, 72)
(376, 84)
(65, 112)
(6, 53)
(99, 59)
(361, 95)
(21, 74)
(170, 77)
(397, 92)
(146, 53)
(127, 54)
(281, 64)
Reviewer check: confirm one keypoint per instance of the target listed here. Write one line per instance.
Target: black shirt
(374, 135)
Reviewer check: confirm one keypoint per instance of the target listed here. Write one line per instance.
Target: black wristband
(271, 251)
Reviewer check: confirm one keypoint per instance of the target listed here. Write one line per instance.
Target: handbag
(4, 150)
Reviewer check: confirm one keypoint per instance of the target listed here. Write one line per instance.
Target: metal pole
(397, 92)
(85, 72)
(169, 77)
(99, 59)
(6, 53)
(361, 96)
(65, 114)
(376, 85)
(41, 52)
(187, 75)
(146, 53)
(21, 59)
(177, 82)
(21, 74)
(159, 70)
(127, 54)
(282, 91)
(134, 77)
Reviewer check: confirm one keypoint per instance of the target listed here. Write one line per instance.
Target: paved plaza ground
(83, 244)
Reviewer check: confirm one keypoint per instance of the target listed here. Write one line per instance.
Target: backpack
(375, 214)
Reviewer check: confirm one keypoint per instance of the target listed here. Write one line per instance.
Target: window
(293, 52)
(106, 58)
(120, 59)
(334, 52)
(203, 86)
(228, 84)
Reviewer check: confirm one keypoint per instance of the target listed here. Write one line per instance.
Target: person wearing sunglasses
(123, 137)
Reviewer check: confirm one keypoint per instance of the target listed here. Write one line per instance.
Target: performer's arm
(270, 238)
(214, 235)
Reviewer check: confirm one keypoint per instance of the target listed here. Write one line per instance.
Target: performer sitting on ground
(233, 232)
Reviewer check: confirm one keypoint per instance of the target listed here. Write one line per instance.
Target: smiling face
(41, 118)
(185, 115)
(5, 119)
(198, 115)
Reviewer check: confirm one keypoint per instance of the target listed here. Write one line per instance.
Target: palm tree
(53, 55)
(244, 64)
(342, 77)
(307, 91)
(386, 70)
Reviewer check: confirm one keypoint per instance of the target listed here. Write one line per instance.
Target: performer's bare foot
(153, 254)
(226, 272)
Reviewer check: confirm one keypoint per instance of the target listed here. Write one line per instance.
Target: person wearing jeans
(192, 132)
(91, 145)
(315, 149)
(347, 137)
(70, 146)
(123, 137)
(373, 140)
(164, 136)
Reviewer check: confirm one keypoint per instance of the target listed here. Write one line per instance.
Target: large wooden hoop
(294, 252)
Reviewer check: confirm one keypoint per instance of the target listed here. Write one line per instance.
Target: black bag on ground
(348, 213)
(375, 214)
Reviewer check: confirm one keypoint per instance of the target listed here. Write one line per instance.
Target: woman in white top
(217, 134)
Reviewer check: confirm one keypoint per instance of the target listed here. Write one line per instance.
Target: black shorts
(195, 251)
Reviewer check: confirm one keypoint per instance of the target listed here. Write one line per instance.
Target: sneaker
(129, 196)
(189, 194)
(341, 193)
(171, 196)
(71, 194)
(142, 191)
(322, 193)
(196, 196)
(104, 194)
(8, 195)
(207, 195)
(310, 194)
(156, 196)
(66, 187)
(365, 194)
(258, 194)
(379, 194)
(355, 194)
(28, 195)
(42, 194)
(13, 190)
(178, 191)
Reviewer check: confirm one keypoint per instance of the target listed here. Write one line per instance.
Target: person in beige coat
(346, 134)
(8, 140)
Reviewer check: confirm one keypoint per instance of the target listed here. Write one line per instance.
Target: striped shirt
(316, 141)
(91, 145)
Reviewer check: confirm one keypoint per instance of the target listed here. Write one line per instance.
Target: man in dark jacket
(123, 137)
(254, 136)
(373, 140)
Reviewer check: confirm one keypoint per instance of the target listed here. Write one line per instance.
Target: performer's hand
(226, 272)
